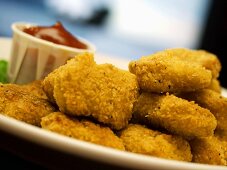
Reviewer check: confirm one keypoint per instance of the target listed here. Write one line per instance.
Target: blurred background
(130, 28)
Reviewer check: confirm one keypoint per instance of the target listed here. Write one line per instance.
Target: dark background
(215, 35)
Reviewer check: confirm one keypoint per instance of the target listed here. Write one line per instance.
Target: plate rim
(96, 152)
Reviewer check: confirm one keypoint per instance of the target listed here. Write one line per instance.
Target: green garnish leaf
(3, 71)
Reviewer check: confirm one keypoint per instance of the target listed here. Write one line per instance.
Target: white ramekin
(32, 58)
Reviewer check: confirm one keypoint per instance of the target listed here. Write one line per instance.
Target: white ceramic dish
(87, 150)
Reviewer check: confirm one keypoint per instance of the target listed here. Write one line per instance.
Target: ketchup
(56, 34)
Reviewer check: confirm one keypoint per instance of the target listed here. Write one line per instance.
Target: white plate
(87, 150)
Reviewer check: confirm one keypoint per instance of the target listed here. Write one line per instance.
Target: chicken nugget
(176, 115)
(139, 139)
(209, 150)
(166, 72)
(81, 129)
(202, 57)
(213, 101)
(20, 104)
(101, 91)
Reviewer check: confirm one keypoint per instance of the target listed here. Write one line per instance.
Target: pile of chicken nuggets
(168, 105)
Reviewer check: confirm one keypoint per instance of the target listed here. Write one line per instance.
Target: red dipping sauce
(56, 34)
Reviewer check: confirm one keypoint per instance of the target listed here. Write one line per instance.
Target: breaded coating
(35, 88)
(213, 101)
(20, 104)
(209, 150)
(176, 115)
(166, 72)
(222, 136)
(202, 57)
(48, 82)
(48, 86)
(81, 129)
(215, 85)
(101, 91)
(139, 139)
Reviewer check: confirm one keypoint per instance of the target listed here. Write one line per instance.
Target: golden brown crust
(101, 91)
(209, 150)
(35, 88)
(202, 57)
(140, 139)
(48, 82)
(83, 130)
(167, 72)
(213, 101)
(215, 85)
(48, 86)
(20, 104)
(176, 115)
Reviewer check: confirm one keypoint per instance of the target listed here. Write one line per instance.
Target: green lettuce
(3, 71)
